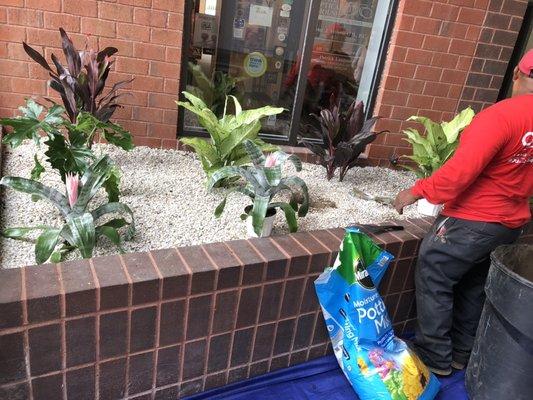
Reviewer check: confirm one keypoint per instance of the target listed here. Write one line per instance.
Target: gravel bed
(166, 191)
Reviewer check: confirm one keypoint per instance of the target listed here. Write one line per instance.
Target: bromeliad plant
(432, 150)
(227, 134)
(81, 230)
(262, 181)
(70, 130)
(345, 136)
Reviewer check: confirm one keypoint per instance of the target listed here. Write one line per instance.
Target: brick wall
(443, 56)
(148, 34)
(175, 322)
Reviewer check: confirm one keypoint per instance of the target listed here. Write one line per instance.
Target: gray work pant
(450, 277)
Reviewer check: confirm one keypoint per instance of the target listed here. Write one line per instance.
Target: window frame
(307, 39)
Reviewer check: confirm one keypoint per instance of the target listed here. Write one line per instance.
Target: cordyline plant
(262, 181)
(70, 130)
(228, 133)
(81, 230)
(345, 136)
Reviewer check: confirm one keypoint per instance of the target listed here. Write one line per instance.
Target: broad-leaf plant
(227, 134)
(432, 149)
(83, 225)
(262, 181)
(344, 136)
(69, 130)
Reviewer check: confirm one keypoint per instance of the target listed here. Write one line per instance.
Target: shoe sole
(457, 365)
(441, 372)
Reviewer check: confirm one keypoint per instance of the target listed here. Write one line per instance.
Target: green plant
(213, 91)
(432, 150)
(345, 136)
(262, 181)
(227, 134)
(80, 230)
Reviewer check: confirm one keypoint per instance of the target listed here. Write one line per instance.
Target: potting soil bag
(378, 365)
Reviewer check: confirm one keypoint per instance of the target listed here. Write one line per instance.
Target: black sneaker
(458, 365)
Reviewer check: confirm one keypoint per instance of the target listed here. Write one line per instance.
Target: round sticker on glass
(255, 64)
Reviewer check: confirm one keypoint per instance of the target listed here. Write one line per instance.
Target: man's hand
(403, 199)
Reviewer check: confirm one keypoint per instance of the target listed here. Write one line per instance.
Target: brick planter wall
(178, 321)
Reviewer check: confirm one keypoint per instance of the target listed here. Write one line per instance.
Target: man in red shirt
(485, 188)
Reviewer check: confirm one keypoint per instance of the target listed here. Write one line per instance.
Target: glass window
(257, 51)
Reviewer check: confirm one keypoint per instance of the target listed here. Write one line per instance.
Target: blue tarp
(319, 379)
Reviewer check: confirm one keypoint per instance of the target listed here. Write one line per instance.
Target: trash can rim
(496, 262)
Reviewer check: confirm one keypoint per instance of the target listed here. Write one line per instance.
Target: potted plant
(432, 150)
(345, 136)
(262, 181)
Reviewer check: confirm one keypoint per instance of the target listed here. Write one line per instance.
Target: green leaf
(37, 189)
(220, 208)
(290, 215)
(111, 185)
(258, 213)
(453, 128)
(18, 233)
(294, 181)
(46, 244)
(83, 234)
(66, 156)
(37, 170)
(228, 172)
(254, 152)
(110, 233)
(116, 208)
(92, 180)
(205, 150)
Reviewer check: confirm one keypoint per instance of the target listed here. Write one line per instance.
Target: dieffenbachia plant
(432, 150)
(345, 136)
(227, 134)
(262, 181)
(83, 227)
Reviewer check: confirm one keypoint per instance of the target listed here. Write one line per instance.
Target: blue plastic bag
(378, 365)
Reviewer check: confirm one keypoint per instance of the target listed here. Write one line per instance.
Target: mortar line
(157, 324)
(185, 316)
(128, 328)
(26, 331)
(97, 331)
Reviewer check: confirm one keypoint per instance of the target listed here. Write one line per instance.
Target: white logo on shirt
(527, 140)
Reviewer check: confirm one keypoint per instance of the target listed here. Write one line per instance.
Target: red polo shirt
(490, 177)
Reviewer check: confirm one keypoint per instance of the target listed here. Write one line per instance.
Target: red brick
(15, 68)
(148, 83)
(15, 51)
(454, 29)
(444, 60)
(428, 73)
(409, 39)
(125, 47)
(171, 144)
(147, 141)
(419, 101)
(115, 12)
(402, 113)
(406, 22)
(136, 128)
(473, 33)
(398, 53)
(136, 3)
(37, 72)
(132, 65)
(467, 3)
(14, 3)
(427, 25)
(149, 51)
(147, 114)
(464, 47)
(49, 5)
(4, 50)
(166, 70)
(28, 86)
(417, 7)
(395, 98)
(464, 63)
(3, 15)
(25, 17)
(417, 56)
(162, 131)
(436, 89)
(453, 76)
(444, 104)
(391, 83)
(455, 91)
(444, 12)
(471, 16)
(432, 114)
(411, 85)
(170, 116)
(175, 21)
(403, 70)
(43, 37)
(135, 98)
(160, 100)
(165, 36)
(481, 4)
(172, 86)
(8, 100)
(380, 151)
(169, 5)
(86, 8)
(98, 27)
(436, 43)
(54, 21)
(12, 33)
(173, 54)
(133, 32)
(143, 16)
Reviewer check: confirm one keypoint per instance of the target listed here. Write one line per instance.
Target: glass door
(288, 53)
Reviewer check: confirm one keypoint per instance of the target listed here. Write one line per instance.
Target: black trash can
(501, 364)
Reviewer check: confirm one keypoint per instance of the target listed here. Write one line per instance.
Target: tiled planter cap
(178, 321)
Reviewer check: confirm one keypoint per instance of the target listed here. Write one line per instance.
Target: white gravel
(166, 191)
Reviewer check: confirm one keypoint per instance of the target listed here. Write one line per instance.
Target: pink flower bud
(270, 161)
(72, 182)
